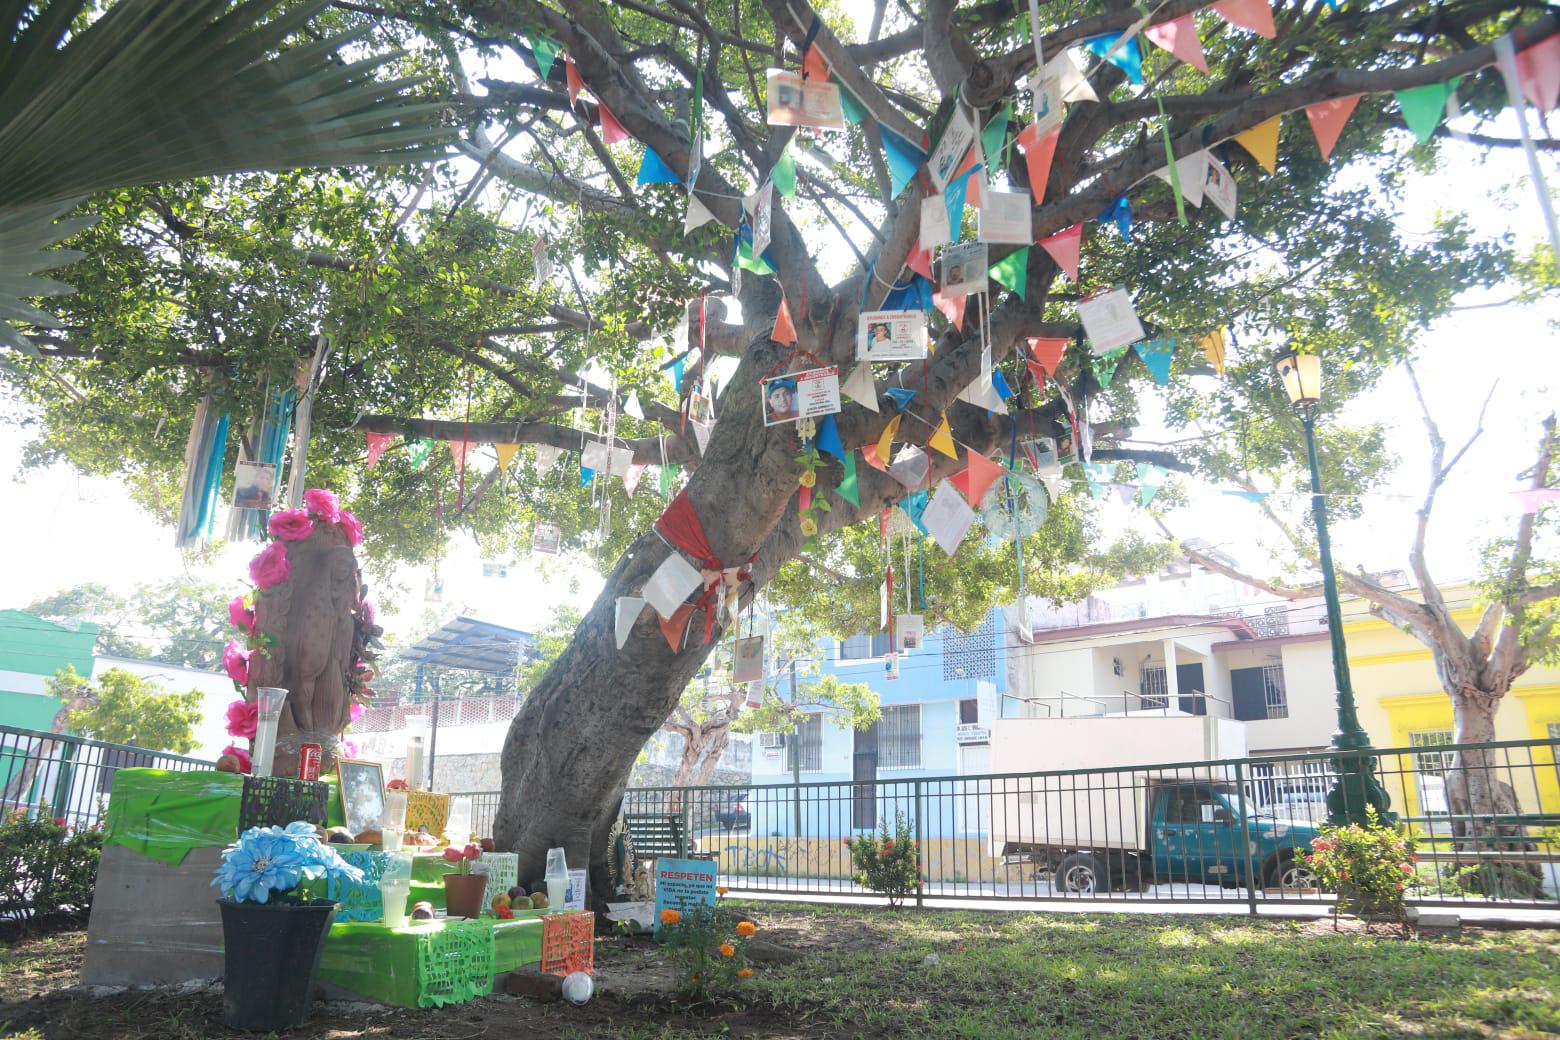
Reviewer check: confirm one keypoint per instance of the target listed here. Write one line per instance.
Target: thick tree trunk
(1473, 785)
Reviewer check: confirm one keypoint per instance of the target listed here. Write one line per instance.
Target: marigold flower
(727, 950)
(721, 890)
(746, 973)
(670, 916)
(747, 929)
(809, 526)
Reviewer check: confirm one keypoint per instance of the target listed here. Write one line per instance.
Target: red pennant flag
(952, 308)
(1538, 70)
(870, 453)
(1048, 351)
(377, 443)
(813, 65)
(611, 130)
(571, 76)
(459, 450)
(975, 190)
(920, 261)
(967, 164)
(1255, 15)
(1038, 154)
(784, 331)
(1327, 120)
(1064, 247)
(1037, 372)
(979, 475)
(674, 627)
(1179, 37)
(883, 523)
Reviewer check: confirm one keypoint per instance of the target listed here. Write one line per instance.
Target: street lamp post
(1356, 786)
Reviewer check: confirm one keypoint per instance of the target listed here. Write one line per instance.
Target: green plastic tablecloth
(164, 814)
(370, 960)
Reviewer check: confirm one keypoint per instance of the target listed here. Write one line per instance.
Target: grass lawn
(1000, 974)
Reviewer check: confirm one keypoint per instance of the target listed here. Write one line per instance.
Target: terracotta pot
(463, 894)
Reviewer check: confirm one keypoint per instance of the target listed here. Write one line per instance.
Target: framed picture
(747, 660)
(951, 147)
(362, 793)
(547, 538)
(254, 485)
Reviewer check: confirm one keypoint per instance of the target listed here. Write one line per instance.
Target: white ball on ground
(578, 987)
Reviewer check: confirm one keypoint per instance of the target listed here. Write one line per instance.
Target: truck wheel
(1081, 873)
(1292, 872)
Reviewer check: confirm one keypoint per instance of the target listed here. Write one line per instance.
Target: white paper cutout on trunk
(859, 386)
(628, 611)
(671, 583)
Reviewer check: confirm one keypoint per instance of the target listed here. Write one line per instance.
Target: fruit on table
(228, 764)
(488, 845)
(522, 903)
(539, 900)
(372, 836)
(422, 911)
(516, 893)
(341, 836)
(500, 900)
(503, 913)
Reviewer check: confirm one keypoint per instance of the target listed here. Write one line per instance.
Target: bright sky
(62, 529)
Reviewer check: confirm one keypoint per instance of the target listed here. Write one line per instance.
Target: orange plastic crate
(569, 943)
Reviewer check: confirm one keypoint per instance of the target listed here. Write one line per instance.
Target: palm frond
(25, 234)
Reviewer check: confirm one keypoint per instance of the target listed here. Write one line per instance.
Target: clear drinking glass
(270, 700)
(392, 821)
(458, 827)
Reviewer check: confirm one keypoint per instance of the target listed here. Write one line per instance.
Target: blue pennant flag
(914, 296)
(829, 438)
(1120, 211)
(902, 396)
(1156, 355)
(1000, 384)
(677, 372)
(586, 476)
(1128, 57)
(653, 170)
(904, 159)
(914, 506)
(1249, 496)
(954, 194)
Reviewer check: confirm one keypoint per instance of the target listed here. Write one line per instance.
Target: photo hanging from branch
(797, 102)
(800, 395)
(254, 485)
(547, 539)
(747, 660)
(951, 148)
(891, 336)
(964, 269)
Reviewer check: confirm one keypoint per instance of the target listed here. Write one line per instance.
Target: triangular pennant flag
(1012, 271)
(632, 407)
(942, 439)
(858, 386)
(916, 295)
(783, 176)
(1120, 212)
(636, 472)
(902, 396)
(571, 78)
(847, 489)
(1156, 355)
(1255, 15)
(701, 434)
(506, 455)
(855, 111)
(1075, 85)
(869, 452)
(460, 451)
(547, 457)
(994, 137)
(784, 331)
(545, 52)
(829, 437)
(999, 383)
(975, 188)
(953, 199)
(813, 64)
(1212, 346)
(1039, 153)
(1262, 142)
(664, 477)
(628, 610)
(976, 477)
(1531, 500)
(675, 627)
(1179, 37)
(1327, 119)
(982, 394)
(947, 518)
(586, 476)
(1146, 493)
(1538, 71)
(914, 507)
(886, 441)
(1064, 247)
(1249, 496)
(418, 453)
(653, 170)
(919, 261)
(910, 466)
(1037, 373)
(377, 443)
(611, 130)
(1124, 493)
(904, 159)
(1128, 57)
(952, 308)
(1422, 107)
(1048, 351)
(698, 214)
(1105, 364)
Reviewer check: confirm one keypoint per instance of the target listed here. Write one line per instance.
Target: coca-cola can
(309, 756)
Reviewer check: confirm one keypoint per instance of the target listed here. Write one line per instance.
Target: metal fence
(1230, 831)
(70, 777)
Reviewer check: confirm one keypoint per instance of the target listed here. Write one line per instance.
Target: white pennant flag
(1193, 170)
(628, 611)
(701, 434)
(546, 457)
(632, 477)
(1075, 85)
(948, 517)
(698, 214)
(670, 584)
(859, 386)
(983, 394)
(632, 407)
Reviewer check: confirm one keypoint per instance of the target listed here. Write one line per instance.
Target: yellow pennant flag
(886, 441)
(506, 455)
(1262, 142)
(1213, 346)
(942, 440)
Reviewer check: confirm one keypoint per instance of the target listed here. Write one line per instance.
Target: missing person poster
(1004, 217)
(964, 269)
(254, 485)
(747, 660)
(891, 336)
(951, 148)
(797, 102)
(801, 395)
(547, 538)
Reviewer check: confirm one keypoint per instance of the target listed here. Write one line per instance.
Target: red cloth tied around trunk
(680, 525)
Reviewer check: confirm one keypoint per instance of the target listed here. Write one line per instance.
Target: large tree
(442, 330)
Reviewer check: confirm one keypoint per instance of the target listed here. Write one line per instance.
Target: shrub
(709, 946)
(1371, 868)
(887, 864)
(46, 866)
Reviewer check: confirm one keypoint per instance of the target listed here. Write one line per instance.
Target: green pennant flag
(783, 175)
(1105, 365)
(545, 52)
(666, 475)
(1013, 271)
(993, 138)
(1175, 170)
(847, 489)
(418, 452)
(696, 112)
(748, 262)
(1423, 106)
(854, 110)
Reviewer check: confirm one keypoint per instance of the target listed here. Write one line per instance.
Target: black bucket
(271, 953)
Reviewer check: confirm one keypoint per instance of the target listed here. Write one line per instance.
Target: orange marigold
(727, 950)
(747, 929)
(746, 973)
(721, 890)
(670, 917)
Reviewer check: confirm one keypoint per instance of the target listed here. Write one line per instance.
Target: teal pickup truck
(1169, 830)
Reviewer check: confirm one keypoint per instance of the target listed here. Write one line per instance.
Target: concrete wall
(1032, 745)
(1308, 682)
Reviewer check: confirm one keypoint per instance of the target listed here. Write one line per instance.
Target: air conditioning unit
(771, 740)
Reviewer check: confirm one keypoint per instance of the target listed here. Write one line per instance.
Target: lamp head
(1302, 377)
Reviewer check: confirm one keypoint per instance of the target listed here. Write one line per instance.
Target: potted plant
(463, 889)
(272, 931)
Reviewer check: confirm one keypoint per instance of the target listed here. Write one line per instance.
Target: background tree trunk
(1473, 784)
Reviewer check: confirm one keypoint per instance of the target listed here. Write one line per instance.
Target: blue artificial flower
(258, 864)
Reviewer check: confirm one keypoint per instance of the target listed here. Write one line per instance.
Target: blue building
(936, 723)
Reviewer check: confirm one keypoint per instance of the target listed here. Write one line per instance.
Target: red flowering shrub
(887, 864)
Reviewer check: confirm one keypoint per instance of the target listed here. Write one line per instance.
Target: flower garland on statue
(267, 570)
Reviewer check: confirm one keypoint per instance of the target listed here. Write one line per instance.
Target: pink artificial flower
(323, 504)
(356, 712)
(367, 611)
(291, 525)
(235, 661)
(271, 566)
(351, 527)
(244, 764)
(348, 750)
(242, 718)
(241, 617)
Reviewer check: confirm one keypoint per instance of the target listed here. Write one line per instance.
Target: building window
(809, 738)
(1430, 768)
(1554, 734)
(1273, 691)
(969, 712)
(899, 737)
(1154, 687)
(863, 646)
